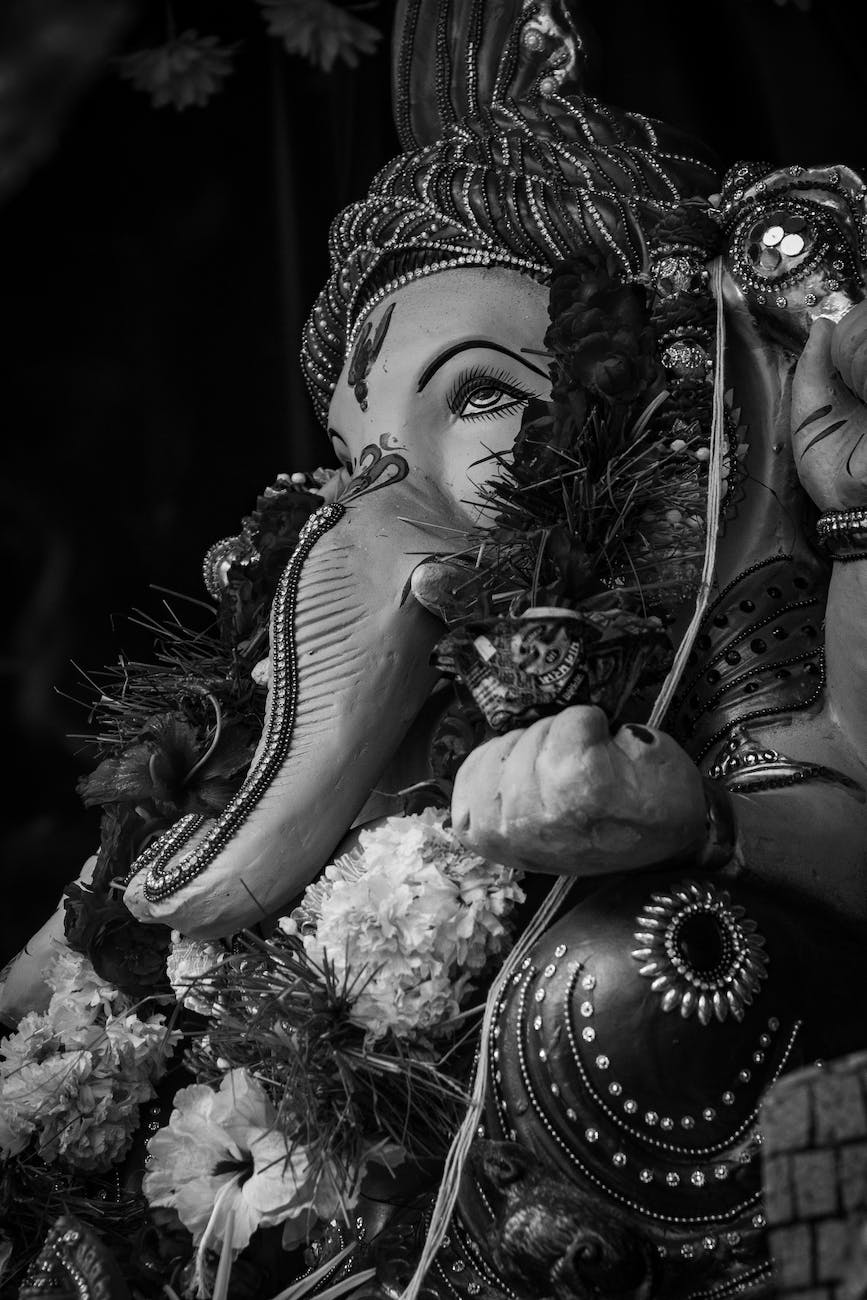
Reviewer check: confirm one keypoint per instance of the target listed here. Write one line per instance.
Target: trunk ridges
(166, 877)
(362, 646)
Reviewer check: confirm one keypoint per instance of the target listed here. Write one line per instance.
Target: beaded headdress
(506, 165)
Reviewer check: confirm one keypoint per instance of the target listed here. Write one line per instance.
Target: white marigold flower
(186, 72)
(406, 921)
(72, 1078)
(319, 31)
(190, 965)
(74, 981)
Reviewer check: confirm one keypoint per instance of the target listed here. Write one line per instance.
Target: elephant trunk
(350, 651)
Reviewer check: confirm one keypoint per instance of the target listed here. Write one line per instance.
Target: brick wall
(814, 1126)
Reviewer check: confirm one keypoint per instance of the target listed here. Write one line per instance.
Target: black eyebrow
(452, 351)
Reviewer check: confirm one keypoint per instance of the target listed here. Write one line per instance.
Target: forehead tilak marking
(364, 355)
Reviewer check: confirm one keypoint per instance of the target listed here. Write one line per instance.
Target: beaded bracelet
(844, 534)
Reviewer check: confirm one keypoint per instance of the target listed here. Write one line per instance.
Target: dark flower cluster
(685, 313)
(174, 767)
(689, 225)
(600, 329)
(583, 508)
(546, 435)
(270, 532)
(127, 954)
(604, 371)
(121, 950)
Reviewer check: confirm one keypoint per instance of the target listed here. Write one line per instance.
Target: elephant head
(432, 389)
(420, 353)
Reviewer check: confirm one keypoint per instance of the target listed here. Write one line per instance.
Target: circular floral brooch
(701, 951)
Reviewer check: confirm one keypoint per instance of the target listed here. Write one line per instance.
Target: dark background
(156, 268)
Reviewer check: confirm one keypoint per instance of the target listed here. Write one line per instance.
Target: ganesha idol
(720, 847)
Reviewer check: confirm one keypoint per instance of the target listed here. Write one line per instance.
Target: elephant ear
(485, 52)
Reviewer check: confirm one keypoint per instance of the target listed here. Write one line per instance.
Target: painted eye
(479, 394)
(485, 398)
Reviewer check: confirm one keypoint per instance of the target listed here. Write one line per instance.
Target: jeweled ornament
(701, 952)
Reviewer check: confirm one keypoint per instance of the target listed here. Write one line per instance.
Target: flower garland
(595, 527)
(311, 1074)
(72, 1078)
(336, 1046)
(605, 488)
(371, 977)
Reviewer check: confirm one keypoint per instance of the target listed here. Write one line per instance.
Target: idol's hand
(829, 414)
(22, 982)
(565, 795)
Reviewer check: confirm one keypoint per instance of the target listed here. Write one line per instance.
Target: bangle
(844, 534)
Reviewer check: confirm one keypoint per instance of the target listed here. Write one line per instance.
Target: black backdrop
(156, 269)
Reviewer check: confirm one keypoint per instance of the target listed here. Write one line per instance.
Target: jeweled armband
(843, 533)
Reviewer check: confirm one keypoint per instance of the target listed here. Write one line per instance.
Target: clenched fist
(565, 795)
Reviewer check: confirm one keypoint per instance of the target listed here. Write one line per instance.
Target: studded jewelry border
(760, 1273)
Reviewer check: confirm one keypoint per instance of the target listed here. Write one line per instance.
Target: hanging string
(217, 1227)
(714, 505)
(459, 1150)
